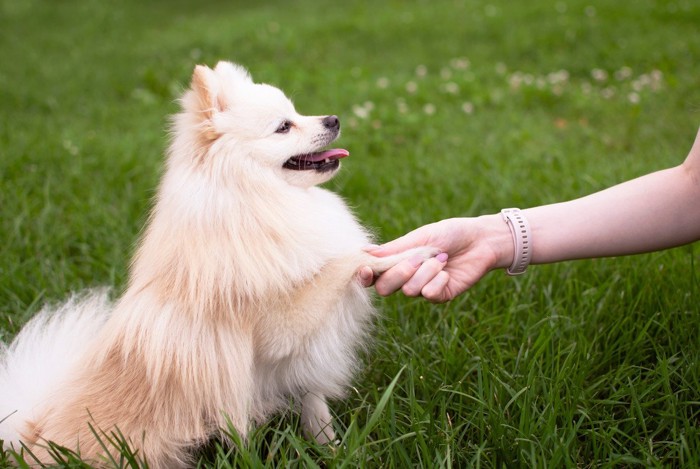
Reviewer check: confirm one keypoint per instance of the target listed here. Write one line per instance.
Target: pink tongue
(334, 154)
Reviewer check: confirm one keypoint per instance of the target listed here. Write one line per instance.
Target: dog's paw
(382, 264)
(316, 419)
(426, 252)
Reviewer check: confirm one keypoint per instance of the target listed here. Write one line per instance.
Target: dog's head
(235, 123)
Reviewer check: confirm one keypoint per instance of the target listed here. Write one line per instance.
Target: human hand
(473, 247)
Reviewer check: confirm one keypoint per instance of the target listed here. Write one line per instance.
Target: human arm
(656, 211)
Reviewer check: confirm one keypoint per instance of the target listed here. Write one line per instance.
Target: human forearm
(656, 211)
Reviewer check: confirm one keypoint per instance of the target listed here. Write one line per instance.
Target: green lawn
(449, 108)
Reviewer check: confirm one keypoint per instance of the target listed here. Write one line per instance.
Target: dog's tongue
(334, 154)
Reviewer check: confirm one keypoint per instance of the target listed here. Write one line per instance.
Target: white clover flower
(401, 106)
(429, 109)
(623, 73)
(451, 87)
(633, 98)
(460, 63)
(608, 92)
(71, 147)
(445, 73)
(642, 81)
(467, 107)
(411, 87)
(599, 74)
(515, 80)
(421, 71)
(360, 111)
(383, 82)
(559, 76)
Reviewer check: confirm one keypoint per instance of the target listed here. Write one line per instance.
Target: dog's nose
(331, 122)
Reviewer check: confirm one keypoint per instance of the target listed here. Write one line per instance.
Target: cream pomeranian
(242, 294)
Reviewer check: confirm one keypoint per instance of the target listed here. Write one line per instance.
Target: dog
(242, 294)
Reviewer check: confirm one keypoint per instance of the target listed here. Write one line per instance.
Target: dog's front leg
(316, 418)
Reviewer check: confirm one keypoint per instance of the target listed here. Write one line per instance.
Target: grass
(449, 108)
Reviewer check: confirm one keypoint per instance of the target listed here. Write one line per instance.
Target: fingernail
(416, 261)
(442, 257)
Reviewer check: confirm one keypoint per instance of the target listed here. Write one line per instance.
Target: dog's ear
(207, 100)
(209, 84)
(212, 93)
(206, 87)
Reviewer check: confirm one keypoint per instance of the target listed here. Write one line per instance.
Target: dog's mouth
(326, 160)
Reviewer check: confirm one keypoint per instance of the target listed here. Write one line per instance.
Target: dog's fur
(242, 294)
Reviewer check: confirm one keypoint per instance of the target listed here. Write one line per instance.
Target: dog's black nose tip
(331, 122)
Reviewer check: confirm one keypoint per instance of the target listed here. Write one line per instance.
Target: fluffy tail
(41, 356)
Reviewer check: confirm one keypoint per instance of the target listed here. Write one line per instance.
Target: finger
(392, 280)
(365, 276)
(425, 273)
(436, 290)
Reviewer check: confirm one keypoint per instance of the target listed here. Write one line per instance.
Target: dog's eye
(284, 127)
